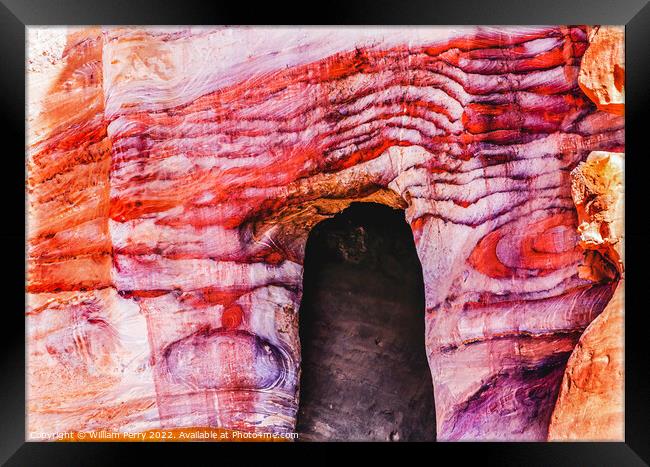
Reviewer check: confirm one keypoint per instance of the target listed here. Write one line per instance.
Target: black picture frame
(15, 15)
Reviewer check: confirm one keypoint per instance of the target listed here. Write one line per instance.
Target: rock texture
(602, 75)
(174, 175)
(590, 405)
(87, 350)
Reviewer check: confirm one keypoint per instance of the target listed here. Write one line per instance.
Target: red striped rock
(179, 172)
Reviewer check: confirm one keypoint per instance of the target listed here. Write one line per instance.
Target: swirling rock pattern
(175, 173)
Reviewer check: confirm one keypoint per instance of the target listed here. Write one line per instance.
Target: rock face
(602, 75)
(590, 405)
(174, 175)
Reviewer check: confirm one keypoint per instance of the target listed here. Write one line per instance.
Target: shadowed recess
(365, 375)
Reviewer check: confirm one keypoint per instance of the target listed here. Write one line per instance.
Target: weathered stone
(602, 72)
(590, 405)
(175, 173)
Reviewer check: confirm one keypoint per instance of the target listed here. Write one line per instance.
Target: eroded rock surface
(590, 405)
(174, 175)
(602, 75)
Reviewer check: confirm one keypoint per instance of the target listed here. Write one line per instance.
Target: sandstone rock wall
(591, 405)
(172, 192)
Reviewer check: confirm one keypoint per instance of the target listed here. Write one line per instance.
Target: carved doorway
(365, 375)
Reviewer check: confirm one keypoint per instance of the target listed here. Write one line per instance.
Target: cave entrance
(365, 375)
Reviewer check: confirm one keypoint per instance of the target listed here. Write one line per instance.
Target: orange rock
(590, 405)
(602, 71)
(597, 190)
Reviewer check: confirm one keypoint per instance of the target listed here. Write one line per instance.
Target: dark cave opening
(365, 375)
